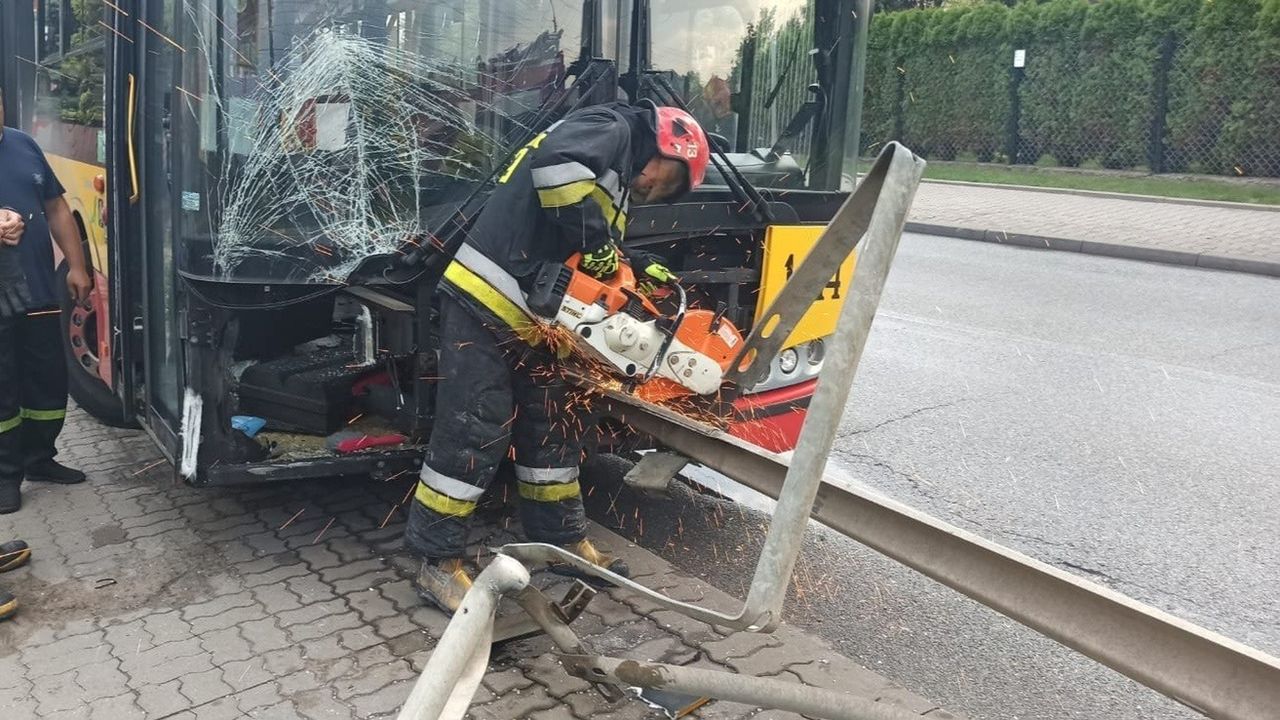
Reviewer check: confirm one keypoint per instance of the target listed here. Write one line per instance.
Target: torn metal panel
(192, 416)
(655, 471)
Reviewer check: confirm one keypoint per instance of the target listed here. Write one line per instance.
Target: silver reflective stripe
(611, 184)
(546, 476)
(562, 174)
(501, 280)
(446, 485)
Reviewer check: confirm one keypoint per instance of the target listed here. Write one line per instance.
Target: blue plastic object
(247, 424)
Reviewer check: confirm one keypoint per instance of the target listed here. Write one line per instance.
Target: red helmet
(680, 137)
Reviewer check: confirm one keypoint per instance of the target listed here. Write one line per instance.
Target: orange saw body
(613, 323)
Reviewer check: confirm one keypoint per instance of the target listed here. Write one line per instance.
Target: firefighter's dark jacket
(564, 192)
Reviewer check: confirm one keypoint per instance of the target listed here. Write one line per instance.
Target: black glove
(651, 270)
(15, 296)
(601, 263)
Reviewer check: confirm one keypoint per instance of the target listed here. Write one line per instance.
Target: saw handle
(669, 332)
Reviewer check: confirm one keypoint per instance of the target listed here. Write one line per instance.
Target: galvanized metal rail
(1204, 670)
(759, 691)
(446, 686)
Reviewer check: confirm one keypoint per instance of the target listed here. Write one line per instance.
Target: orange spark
(324, 529)
(162, 36)
(290, 520)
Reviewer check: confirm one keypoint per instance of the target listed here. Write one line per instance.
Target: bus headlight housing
(817, 351)
(788, 360)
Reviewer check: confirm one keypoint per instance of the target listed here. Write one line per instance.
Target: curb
(1267, 268)
(1224, 204)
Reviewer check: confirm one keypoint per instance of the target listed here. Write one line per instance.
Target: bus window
(49, 27)
(743, 66)
(333, 131)
(69, 89)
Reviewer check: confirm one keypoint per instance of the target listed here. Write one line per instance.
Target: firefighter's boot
(8, 605)
(54, 472)
(13, 554)
(10, 496)
(443, 583)
(589, 552)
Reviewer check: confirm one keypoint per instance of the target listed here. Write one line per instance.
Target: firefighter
(567, 191)
(33, 371)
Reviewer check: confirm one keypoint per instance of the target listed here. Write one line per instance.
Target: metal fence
(1108, 85)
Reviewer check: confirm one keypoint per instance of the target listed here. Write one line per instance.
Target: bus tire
(83, 384)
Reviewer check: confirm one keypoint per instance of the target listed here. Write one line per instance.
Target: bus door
(157, 63)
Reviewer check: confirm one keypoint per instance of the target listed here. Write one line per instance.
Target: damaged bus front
(292, 176)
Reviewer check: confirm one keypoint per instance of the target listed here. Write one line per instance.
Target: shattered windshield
(743, 66)
(314, 135)
(333, 131)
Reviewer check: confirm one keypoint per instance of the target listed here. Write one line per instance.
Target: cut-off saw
(612, 322)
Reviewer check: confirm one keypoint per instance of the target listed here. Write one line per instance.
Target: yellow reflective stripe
(59, 414)
(442, 503)
(565, 195)
(549, 493)
(519, 157)
(612, 215)
(498, 304)
(11, 423)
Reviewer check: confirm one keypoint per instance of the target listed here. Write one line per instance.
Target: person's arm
(578, 190)
(63, 227)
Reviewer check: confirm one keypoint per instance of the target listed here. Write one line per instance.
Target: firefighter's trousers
(33, 391)
(495, 398)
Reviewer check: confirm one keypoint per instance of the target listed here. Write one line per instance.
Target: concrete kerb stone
(1137, 252)
(1245, 265)
(1093, 247)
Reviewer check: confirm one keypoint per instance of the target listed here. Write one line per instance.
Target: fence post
(1160, 106)
(1012, 126)
(900, 98)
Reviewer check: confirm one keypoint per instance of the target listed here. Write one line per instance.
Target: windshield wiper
(786, 73)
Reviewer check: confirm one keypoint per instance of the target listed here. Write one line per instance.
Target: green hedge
(1100, 78)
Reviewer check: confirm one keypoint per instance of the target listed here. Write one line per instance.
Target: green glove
(659, 272)
(651, 271)
(601, 263)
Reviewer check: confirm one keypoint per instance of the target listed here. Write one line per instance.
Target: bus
(265, 187)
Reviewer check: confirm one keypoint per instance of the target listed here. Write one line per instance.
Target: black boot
(13, 554)
(8, 605)
(10, 496)
(54, 472)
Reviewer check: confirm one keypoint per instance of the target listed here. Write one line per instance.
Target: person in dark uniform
(33, 371)
(500, 394)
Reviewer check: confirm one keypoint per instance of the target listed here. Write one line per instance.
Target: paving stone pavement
(1230, 232)
(147, 598)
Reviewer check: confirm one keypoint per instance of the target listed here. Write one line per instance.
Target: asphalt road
(1118, 419)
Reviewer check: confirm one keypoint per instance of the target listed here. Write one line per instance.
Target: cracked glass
(323, 134)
